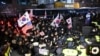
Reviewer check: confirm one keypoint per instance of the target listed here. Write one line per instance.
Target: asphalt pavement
(15, 53)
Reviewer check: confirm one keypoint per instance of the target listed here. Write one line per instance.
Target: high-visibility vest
(70, 52)
(95, 23)
(83, 51)
(86, 40)
(97, 38)
(7, 52)
(69, 39)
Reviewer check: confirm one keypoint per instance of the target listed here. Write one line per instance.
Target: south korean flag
(24, 19)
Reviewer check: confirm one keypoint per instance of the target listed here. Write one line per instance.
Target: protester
(46, 36)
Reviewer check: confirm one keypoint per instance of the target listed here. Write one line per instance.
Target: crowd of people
(48, 39)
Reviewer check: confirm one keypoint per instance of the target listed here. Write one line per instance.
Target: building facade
(34, 3)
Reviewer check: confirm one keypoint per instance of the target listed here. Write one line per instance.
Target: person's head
(17, 34)
(49, 28)
(13, 41)
(20, 43)
(43, 24)
(37, 31)
(3, 30)
(46, 24)
(43, 28)
(62, 32)
(55, 29)
(52, 35)
(39, 22)
(6, 32)
(23, 36)
(56, 33)
(45, 31)
(28, 34)
(25, 39)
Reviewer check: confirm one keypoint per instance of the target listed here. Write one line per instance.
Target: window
(33, 1)
(5, 1)
(51, 1)
(70, 1)
(23, 2)
(42, 1)
(55, 0)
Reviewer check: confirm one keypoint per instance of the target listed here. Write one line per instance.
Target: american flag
(27, 27)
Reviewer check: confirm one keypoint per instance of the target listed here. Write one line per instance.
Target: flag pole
(17, 28)
(45, 14)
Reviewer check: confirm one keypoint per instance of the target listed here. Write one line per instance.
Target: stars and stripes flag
(27, 27)
(24, 19)
(69, 21)
(57, 20)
